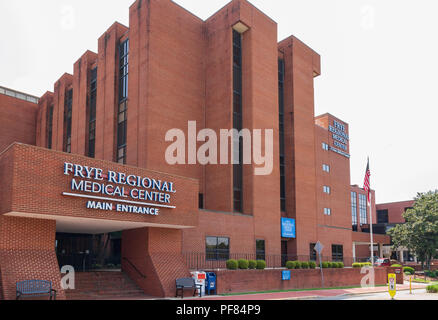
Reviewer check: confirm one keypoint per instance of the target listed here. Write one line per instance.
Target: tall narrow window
(92, 114)
(237, 121)
(122, 119)
(49, 124)
(260, 250)
(281, 128)
(67, 120)
(354, 210)
(363, 209)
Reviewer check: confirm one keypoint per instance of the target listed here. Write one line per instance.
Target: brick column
(27, 252)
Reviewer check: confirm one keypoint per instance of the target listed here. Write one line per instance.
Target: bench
(35, 288)
(187, 283)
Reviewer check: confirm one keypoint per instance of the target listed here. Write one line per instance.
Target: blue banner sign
(288, 228)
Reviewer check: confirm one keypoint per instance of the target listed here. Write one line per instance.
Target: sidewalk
(311, 294)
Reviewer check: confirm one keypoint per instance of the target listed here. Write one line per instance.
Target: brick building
(388, 215)
(88, 158)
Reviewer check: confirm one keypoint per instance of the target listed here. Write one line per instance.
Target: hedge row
(312, 265)
(243, 264)
(300, 265)
(361, 264)
(328, 264)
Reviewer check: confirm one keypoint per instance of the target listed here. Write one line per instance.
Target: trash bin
(200, 278)
(211, 283)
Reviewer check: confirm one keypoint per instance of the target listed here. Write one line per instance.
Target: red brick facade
(396, 210)
(180, 70)
(242, 282)
(15, 111)
(27, 252)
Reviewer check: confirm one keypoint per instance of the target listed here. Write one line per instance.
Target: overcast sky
(379, 67)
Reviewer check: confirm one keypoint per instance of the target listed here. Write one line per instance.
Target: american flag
(367, 182)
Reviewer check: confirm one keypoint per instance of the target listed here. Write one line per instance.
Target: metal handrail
(134, 267)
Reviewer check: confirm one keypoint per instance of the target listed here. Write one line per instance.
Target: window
(237, 121)
(327, 189)
(123, 69)
(49, 128)
(382, 216)
(325, 146)
(326, 168)
(217, 248)
(363, 209)
(327, 211)
(354, 208)
(337, 253)
(201, 201)
(260, 250)
(68, 103)
(122, 115)
(92, 114)
(312, 252)
(281, 129)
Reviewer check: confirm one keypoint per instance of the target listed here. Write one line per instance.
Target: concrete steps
(111, 285)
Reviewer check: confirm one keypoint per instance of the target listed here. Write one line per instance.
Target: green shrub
(325, 265)
(232, 264)
(252, 264)
(431, 274)
(304, 265)
(243, 264)
(432, 288)
(340, 265)
(261, 264)
(290, 265)
(330, 264)
(312, 265)
(361, 264)
(408, 270)
(357, 265)
(297, 265)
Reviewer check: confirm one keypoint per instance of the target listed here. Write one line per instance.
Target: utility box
(200, 278)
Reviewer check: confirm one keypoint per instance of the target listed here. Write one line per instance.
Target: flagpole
(371, 231)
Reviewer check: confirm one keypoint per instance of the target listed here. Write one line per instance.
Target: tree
(420, 232)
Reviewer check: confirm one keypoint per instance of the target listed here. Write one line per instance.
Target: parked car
(383, 262)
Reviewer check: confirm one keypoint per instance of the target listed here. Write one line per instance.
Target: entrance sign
(131, 193)
(288, 229)
(392, 284)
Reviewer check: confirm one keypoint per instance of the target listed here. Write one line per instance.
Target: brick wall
(156, 253)
(262, 280)
(38, 183)
(27, 253)
(17, 121)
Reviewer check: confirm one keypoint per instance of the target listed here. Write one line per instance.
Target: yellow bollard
(410, 285)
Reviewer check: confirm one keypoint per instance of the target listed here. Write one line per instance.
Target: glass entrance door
(74, 250)
(89, 252)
